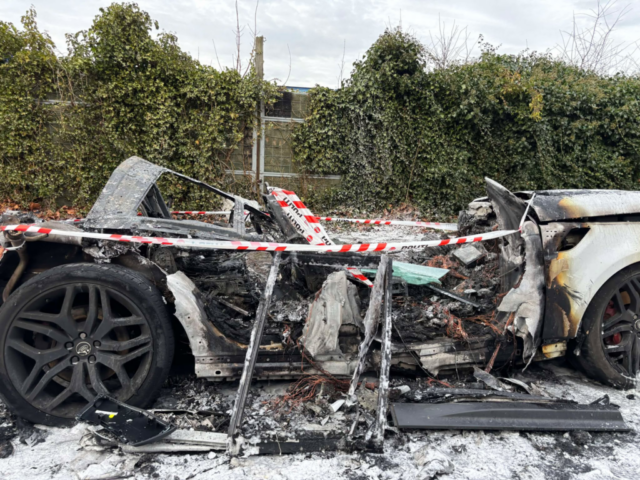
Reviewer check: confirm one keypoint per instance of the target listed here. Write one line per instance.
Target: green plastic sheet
(414, 274)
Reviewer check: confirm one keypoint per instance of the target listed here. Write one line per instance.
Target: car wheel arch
(574, 276)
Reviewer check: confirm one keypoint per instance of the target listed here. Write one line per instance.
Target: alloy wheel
(72, 342)
(621, 329)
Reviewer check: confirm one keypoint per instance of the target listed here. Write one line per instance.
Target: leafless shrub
(239, 31)
(341, 64)
(591, 46)
(449, 46)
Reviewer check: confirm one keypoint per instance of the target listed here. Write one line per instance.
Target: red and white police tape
(262, 246)
(307, 225)
(451, 227)
(201, 212)
(300, 216)
(406, 223)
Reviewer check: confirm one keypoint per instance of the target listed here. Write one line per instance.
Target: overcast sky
(315, 32)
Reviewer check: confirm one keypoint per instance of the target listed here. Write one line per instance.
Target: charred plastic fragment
(557, 417)
(129, 425)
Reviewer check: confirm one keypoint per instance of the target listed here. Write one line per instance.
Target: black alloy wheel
(621, 329)
(79, 330)
(611, 351)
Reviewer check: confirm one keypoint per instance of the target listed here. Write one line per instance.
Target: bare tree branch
(238, 41)
(254, 32)
(341, 64)
(288, 74)
(590, 45)
(449, 46)
(216, 51)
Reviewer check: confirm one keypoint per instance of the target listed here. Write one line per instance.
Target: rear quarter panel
(574, 276)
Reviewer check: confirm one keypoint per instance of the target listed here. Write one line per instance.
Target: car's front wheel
(611, 349)
(78, 330)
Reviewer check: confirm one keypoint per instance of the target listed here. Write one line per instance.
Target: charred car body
(82, 317)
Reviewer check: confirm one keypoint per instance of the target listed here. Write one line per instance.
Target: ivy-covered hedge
(396, 130)
(67, 121)
(399, 132)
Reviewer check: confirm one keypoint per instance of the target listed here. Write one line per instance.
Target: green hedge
(398, 132)
(120, 91)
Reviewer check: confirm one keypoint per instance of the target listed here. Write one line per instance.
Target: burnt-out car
(82, 316)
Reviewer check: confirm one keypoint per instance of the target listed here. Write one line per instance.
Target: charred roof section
(558, 205)
(127, 187)
(132, 186)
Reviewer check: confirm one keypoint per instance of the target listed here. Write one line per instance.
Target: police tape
(204, 212)
(263, 246)
(406, 223)
(450, 227)
(302, 219)
(200, 212)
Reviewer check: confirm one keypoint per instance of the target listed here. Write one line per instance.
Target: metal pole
(371, 321)
(251, 357)
(385, 363)
(238, 217)
(263, 140)
(258, 160)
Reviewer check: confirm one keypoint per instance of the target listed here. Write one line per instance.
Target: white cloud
(314, 31)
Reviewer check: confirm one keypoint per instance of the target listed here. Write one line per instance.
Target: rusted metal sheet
(371, 321)
(445, 353)
(558, 323)
(191, 313)
(554, 350)
(509, 210)
(377, 433)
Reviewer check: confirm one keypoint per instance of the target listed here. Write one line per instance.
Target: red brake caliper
(616, 338)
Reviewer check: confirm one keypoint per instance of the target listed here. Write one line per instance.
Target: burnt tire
(611, 350)
(78, 330)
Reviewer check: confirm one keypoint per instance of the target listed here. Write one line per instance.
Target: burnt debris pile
(464, 302)
(459, 304)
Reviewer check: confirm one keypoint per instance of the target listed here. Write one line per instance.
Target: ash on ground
(43, 453)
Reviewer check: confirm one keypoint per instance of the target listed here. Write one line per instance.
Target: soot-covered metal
(498, 305)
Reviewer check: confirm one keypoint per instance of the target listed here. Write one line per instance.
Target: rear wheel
(611, 350)
(79, 330)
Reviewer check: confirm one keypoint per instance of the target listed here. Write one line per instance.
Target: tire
(611, 323)
(79, 329)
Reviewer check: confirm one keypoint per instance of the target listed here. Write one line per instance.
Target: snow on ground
(57, 453)
(65, 453)
(354, 233)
